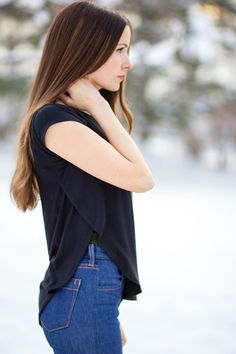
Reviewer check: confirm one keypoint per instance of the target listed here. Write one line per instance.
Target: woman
(78, 159)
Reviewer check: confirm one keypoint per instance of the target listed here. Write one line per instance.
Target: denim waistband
(95, 251)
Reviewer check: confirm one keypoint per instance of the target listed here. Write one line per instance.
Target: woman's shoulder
(58, 108)
(52, 113)
(55, 112)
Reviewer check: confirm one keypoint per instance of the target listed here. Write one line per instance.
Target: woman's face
(107, 76)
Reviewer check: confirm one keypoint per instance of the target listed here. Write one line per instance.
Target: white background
(185, 234)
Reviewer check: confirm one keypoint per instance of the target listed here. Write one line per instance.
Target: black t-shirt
(75, 204)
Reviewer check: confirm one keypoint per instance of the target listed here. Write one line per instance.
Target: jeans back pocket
(58, 311)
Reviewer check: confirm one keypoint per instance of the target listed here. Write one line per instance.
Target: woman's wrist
(99, 105)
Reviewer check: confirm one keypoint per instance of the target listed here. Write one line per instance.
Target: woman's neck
(59, 101)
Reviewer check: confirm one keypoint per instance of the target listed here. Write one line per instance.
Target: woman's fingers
(67, 100)
(63, 98)
(123, 337)
(82, 94)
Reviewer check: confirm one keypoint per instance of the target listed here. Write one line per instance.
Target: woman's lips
(121, 77)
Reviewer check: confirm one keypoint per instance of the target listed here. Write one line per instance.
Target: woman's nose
(127, 64)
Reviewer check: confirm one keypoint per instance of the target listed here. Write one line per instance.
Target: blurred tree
(186, 54)
(183, 54)
(22, 28)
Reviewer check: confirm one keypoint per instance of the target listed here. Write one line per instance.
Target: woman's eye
(120, 49)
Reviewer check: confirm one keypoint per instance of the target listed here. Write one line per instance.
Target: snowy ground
(185, 230)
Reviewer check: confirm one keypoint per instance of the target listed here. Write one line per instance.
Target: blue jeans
(82, 316)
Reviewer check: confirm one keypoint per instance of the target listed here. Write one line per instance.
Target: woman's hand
(83, 95)
(123, 337)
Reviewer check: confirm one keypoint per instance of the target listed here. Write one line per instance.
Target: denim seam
(87, 266)
(67, 322)
(91, 254)
(105, 289)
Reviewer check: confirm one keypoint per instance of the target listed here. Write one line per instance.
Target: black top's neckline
(92, 120)
(74, 108)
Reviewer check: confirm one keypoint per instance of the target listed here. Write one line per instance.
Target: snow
(185, 235)
(4, 2)
(161, 53)
(219, 73)
(32, 4)
(110, 3)
(41, 18)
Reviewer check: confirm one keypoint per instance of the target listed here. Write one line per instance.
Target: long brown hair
(80, 39)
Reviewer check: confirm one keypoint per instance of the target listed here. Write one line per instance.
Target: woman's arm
(122, 141)
(118, 162)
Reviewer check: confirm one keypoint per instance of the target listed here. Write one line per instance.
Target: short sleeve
(84, 191)
(51, 114)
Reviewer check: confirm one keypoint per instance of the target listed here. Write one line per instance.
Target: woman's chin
(111, 88)
(115, 88)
